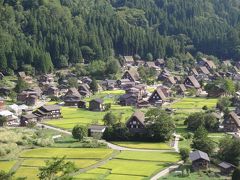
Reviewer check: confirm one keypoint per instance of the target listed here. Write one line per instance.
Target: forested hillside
(48, 34)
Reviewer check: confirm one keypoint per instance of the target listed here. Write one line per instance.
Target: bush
(181, 138)
(184, 152)
(108, 106)
(189, 135)
(44, 142)
(79, 132)
(54, 98)
(2, 151)
(205, 108)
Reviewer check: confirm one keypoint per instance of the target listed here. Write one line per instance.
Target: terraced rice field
(130, 165)
(32, 159)
(143, 145)
(194, 103)
(6, 165)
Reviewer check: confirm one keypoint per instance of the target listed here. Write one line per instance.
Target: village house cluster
(31, 106)
(31, 103)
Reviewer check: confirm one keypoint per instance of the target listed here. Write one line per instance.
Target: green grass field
(194, 103)
(142, 145)
(6, 165)
(73, 116)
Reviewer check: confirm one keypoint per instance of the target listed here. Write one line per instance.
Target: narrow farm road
(120, 148)
(98, 164)
(166, 171)
(53, 128)
(116, 147)
(176, 142)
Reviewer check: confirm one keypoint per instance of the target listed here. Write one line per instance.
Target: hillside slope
(47, 34)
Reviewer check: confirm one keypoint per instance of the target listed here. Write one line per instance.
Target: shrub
(44, 142)
(79, 132)
(189, 135)
(2, 151)
(108, 106)
(184, 152)
(205, 108)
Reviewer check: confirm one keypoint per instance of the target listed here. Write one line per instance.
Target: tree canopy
(48, 34)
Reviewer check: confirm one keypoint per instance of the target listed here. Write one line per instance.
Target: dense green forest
(48, 34)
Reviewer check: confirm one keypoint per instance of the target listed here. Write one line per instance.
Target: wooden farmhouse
(160, 63)
(181, 90)
(128, 61)
(82, 104)
(72, 97)
(169, 81)
(151, 64)
(84, 90)
(210, 65)
(193, 72)
(125, 84)
(192, 82)
(96, 131)
(96, 105)
(48, 112)
(86, 80)
(200, 160)
(203, 70)
(226, 168)
(52, 91)
(136, 123)
(28, 118)
(157, 98)
(139, 63)
(164, 74)
(46, 78)
(231, 122)
(128, 99)
(132, 75)
(11, 118)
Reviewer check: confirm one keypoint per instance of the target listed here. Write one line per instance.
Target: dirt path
(118, 149)
(98, 164)
(53, 128)
(166, 171)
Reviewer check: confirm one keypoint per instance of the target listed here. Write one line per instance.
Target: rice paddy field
(143, 145)
(30, 160)
(7, 165)
(114, 165)
(132, 165)
(194, 103)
